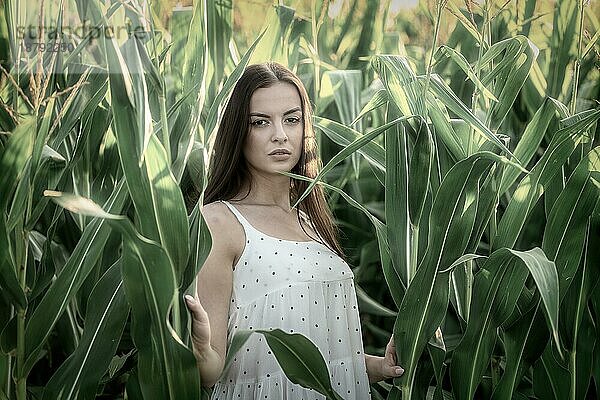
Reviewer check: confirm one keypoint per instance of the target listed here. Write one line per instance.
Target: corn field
(461, 159)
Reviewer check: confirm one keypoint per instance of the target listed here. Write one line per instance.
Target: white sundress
(298, 287)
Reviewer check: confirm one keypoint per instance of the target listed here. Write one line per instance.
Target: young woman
(271, 266)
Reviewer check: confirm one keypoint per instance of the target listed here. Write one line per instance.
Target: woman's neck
(266, 192)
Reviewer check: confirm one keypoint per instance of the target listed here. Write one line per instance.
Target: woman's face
(275, 123)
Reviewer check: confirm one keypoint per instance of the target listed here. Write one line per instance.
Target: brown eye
(259, 122)
(292, 120)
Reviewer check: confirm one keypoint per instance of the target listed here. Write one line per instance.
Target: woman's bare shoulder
(216, 209)
(217, 216)
(222, 224)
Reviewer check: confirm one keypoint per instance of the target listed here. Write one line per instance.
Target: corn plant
(481, 265)
(97, 124)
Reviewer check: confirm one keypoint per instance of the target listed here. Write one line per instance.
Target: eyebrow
(257, 114)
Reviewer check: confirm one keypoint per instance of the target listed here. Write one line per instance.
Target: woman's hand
(380, 368)
(389, 369)
(200, 326)
(209, 361)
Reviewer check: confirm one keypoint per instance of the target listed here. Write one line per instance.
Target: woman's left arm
(380, 368)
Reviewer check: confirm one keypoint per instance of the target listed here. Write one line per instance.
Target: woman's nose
(279, 133)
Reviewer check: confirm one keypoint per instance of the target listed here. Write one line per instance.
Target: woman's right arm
(211, 306)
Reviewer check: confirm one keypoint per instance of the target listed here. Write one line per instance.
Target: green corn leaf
(9, 282)
(370, 306)
(132, 388)
(211, 119)
(14, 157)
(590, 45)
(581, 368)
(550, 378)
(69, 280)
(498, 286)
(149, 283)
(401, 83)
(531, 187)
(153, 78)
(461, 289)
(461, 283)
(561, 42)
(517, 55)
(275, 46)
(534, 90)
(194, 62)
(437, 353)
(488, 203)
(580, 122)
(149, 180)
(41, 136)
(461, 61)
(596, 368)
(379, 99)
(354, 146)
(454, 104)
(450, 229)
(545, 276)
(527, 17)
(141, 106)
(299, 358)
(565, 232)
(301, 361)
(466, 23)
(444, 130)
(170, 216)
(219, 21)
(200, 245)
(54, 257)
(577, 329)
(397, 206)
(14, 160)
(346, 86)
(117, 363)
(79, 375)
(167, 369)
(530, 140)
(343, 135)
(125, 99)
(462, 259)
(419, 175)
(94, 13)
(194, 72)
(179, 28)
(580, 289)
(80, 105)
(19, 201)
(523, 344)
(239, 338)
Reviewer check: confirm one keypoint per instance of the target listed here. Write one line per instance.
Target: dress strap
(238, 215)
(249, 227)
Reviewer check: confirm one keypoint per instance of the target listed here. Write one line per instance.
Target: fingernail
(399, 371)
(188, 298)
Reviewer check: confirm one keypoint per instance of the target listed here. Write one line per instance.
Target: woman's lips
(280, 156)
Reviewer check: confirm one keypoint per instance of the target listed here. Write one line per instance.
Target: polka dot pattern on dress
(298, 287)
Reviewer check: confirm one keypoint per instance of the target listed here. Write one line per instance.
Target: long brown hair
(228, 170)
